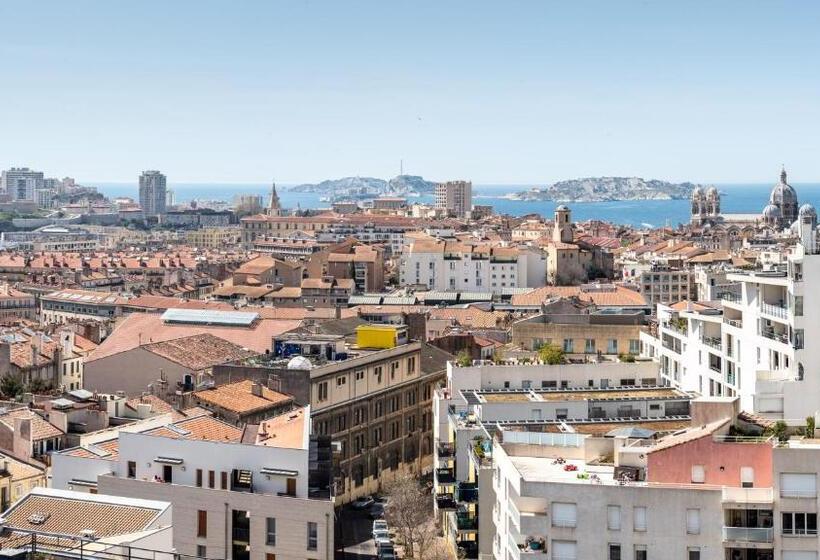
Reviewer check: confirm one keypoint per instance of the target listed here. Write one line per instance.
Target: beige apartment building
(377, 409)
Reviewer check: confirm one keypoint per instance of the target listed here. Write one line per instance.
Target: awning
(279, 472)
(168, 460)
(80, 482)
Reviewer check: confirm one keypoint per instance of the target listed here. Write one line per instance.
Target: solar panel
(209, 317)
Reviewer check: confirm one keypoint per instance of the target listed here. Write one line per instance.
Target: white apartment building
(757, 343)
(21, 183)
(456, 197)
(236, 493)
(449, 265)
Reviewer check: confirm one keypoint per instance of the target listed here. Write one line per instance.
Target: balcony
(445, 476)
(712, 342)
(772, 335)
(775, 310)
(466, 521)
(738, 323)
(445, 501)
(748, 534)
(446, 449)
(531, 546)
(731, 297)
(241, 534)
(467, 492)
(747, 495)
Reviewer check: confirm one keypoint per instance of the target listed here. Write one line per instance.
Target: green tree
(627, 357)
(464, 359)
(551, 354)
(10, 386)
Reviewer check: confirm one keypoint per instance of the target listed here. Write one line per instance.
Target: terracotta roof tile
(238, 397)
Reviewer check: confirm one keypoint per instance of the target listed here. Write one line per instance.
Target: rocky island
(350, 188)
(602, 189)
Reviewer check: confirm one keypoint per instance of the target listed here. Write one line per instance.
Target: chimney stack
(256, 389)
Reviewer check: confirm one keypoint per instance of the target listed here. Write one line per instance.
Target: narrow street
(354, 540)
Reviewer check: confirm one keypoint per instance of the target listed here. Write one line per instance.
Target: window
(613, 518)
(132, 469)
(549, 384)
(211, 479)
(201, 523)
(312, 535)
(796, 523)
(693, 521)
(693, 553)
(798, 485)
(201, 551)
(359, 375)
(589, 346)
(564, 515)
(411, 365)
(341, 380)
(270, 525)
(747, 477)
(640, 552)
(639, 518)
(323, 391)
(614, 551)
(634, 346)
(224, 480)
(612, 346)
(377, 371)
(199, 478)
(561, 413)
(568, 345)
(698, 474)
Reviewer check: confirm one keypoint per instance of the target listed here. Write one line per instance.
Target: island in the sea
(352, 188)
(603, 189)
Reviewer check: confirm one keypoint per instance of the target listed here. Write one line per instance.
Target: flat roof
(616, 393)
(209, 317)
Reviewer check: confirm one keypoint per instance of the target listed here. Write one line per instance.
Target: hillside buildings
(21, 183)
(152, 187)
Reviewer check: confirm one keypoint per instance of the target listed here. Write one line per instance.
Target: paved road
(354, 540)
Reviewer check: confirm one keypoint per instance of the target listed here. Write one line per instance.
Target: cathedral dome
(562, 208)
(771, 211)
(807, 210)
(783, 194)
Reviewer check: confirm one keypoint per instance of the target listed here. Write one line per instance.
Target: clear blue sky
(489, 91)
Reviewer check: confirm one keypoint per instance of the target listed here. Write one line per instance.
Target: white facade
(456, 197)
(518, 268)
(758, 347)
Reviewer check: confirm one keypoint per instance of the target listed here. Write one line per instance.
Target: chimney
(338, 311)
(256, 389)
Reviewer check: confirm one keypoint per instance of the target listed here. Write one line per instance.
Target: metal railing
(770, 334)
(712, 341)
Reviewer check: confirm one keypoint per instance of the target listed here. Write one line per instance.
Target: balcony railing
(779, 311)
(731, 297)
(564, 522)
(467, 492)
(748, 495)
(712, 341)
(466, 521)
(445, 501)
(446, 450)
(748, 534)
(445, 476)
(734, 323)
(779, 337)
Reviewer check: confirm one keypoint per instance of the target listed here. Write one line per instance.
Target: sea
(735, 198)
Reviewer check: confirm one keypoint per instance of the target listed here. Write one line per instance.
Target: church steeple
(275, 208)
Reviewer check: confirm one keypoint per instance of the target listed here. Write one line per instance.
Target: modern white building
(239, 493)
(450, 265)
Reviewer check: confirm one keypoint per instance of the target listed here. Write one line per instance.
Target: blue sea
(735, 198)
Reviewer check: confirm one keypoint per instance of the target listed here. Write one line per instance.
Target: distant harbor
(647, 213)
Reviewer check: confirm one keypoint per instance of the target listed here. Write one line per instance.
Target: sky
(496, 92)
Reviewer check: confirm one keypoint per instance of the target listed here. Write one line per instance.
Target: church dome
(711, 192)
(562, 208)
(771, 211)
(783, 193)
(807, 210)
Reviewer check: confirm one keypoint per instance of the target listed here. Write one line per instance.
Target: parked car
(381, 534)
(384, 546)
(387, 556)
(379, 524)
(376, 511)
(362, 503)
